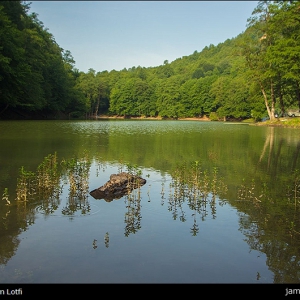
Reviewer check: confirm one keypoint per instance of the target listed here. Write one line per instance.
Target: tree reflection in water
(265, 214)
(192, 196)
(199, 187)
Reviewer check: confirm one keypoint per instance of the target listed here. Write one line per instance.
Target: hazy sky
(107, 35)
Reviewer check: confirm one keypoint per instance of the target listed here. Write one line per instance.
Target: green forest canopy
(253, 75)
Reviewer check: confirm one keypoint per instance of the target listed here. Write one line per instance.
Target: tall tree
(256, 41)
(285, 53)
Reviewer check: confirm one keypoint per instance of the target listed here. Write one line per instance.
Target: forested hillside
(250, 76)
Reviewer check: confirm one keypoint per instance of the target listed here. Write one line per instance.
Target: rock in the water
(118, 186)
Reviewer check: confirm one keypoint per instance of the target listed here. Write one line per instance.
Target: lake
(220, 203)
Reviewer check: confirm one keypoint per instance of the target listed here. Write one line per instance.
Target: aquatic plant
(191, 181)
(25, 185)
(246, 192)
(196, 186)
(5, 197)
(77, 171)
(47, 173)
(136, 172)
(293, 193)
(48, 183)
(133, 214)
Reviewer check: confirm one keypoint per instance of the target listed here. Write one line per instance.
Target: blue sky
(107, 35)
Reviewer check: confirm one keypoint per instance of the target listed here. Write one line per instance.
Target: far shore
(280, 122)
(151, 118)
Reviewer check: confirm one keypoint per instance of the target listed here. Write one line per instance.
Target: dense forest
(253, 75)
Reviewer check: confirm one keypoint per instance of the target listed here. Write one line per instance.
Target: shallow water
(245, 229)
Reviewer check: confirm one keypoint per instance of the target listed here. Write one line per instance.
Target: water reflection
(133, 216)
(199, 188)
(192, 196)
(270, 224)
(77, 172)
(42, 190)
(45, 188)
(275, 149)
(106, 239)
(95, 244)
(257, 173)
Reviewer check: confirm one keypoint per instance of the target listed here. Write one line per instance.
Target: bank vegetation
(252, 76)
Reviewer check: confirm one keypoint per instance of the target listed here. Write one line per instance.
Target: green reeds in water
(133, 201)
(293, 189)
(47, 174)
(133, 213)
(132, 217)
(5, 197)
(247, 192)
(44, 182)
(190, 181)
(48, 177)
(45, 185)
(48, 184)
(198, 187)
(26, 187)
(77, 171)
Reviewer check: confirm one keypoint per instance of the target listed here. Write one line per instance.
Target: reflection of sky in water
(62, 249)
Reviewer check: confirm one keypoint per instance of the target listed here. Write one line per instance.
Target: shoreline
(280, 122)
(151, 118)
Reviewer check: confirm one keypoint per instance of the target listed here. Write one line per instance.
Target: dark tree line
(37, 77)
(251, 76)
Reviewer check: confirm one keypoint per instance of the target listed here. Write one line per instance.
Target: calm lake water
(220, 205)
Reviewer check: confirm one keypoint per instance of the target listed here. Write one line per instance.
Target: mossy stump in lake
(118, 186)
